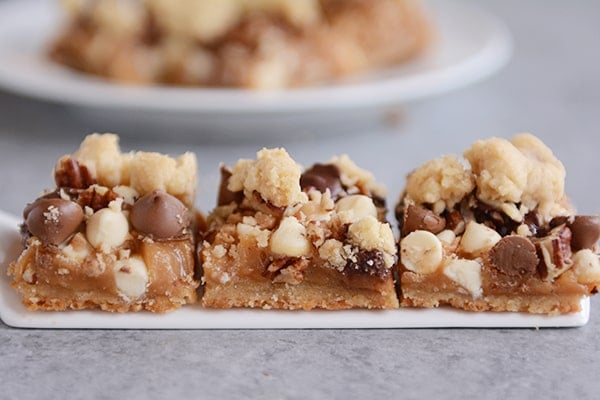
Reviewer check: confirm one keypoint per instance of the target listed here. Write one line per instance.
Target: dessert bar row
(492, 230)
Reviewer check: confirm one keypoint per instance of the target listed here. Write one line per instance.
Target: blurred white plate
(470, 46)
(13, 313)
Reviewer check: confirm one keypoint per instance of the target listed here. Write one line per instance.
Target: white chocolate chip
(107, 229)
(477, 238)
(586, 266)
(512, 211)
(523, 230)
(467, 273)
(77, 249)
(446, 236)
(352, 208)
(421, 252)
(131, 277)
(128, 193)
(289, 239)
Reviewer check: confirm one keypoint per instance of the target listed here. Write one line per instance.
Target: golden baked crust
(300, 242)
(111, 235)
(495, 232)
(264, 44)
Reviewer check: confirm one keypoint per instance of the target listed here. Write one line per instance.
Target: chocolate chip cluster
(104, 214)
(333, 213)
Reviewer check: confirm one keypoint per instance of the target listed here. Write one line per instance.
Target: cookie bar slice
(287, 239)
(260, 44)
(117, 233)
(495, 231)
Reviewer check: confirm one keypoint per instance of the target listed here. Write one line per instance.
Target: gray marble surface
(551, 87)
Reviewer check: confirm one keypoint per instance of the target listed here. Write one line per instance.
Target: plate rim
(14, 314)
(239, 101)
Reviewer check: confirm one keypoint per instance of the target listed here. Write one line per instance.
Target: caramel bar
(263, 44)
(117, 233)
(495, 231)
(286, 238)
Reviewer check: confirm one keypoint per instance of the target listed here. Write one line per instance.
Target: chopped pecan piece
(554, 252)
(70, 174)
(287, 270)
(95, 199)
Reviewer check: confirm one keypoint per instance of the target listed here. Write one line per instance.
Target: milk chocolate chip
(226, 196)
(419, 218)
(53, 220)
(160, 215)
(322, 177)
(586, 232)
(514, 256)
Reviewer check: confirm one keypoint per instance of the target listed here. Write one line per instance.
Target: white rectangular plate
(13, 313)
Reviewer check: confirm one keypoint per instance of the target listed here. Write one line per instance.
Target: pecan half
(70, 174)
(95, 200)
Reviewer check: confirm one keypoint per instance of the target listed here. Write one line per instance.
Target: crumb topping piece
(522, 170)
(356, 179)
(445, 180)
(142, 171)
(515, 176)
(204, 20)
(274, 175)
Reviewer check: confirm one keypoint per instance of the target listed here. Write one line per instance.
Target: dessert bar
(495, 231)
(285, 238)
(264, 44)
(117, 233)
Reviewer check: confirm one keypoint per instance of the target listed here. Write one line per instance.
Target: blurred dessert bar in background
(259, 44)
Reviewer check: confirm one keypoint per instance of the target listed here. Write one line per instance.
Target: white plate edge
(465, 73)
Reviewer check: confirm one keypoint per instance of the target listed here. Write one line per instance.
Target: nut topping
(68, 173)
(96, 197)
(53, 220)
(287, 270)
(455, 222)
(555, 252)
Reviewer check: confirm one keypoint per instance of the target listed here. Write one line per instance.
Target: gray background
(551, 87)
